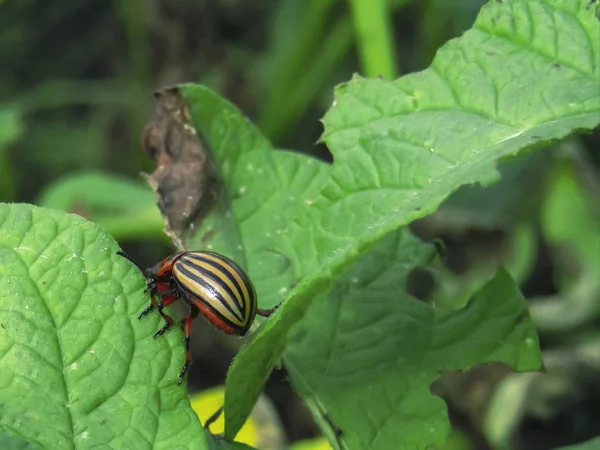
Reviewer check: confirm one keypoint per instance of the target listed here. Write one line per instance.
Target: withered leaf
(186, 181)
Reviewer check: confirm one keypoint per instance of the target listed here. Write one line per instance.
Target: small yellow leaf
(312, 444)
(206, 403)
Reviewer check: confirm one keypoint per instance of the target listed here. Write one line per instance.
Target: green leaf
(126, 209)
(367, 352)
(401, 147)
(507, 408)
(12, 441)
(77, 368)
(525, 75)
(571, 226)
(100, 192)
(266, 189)
(243, 379)
(592, 444)
(569, 219)
(10, 127)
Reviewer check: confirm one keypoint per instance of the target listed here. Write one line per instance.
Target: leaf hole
(420, 283)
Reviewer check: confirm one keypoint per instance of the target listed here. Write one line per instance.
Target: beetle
(211, 284)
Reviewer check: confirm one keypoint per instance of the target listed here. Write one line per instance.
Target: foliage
(589, 445)
(77, 369)
(572, 228)
(205, 404)
(330, 240)
(124, 208)
(399, 149)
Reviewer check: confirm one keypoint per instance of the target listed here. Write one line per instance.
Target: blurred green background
(76, 91)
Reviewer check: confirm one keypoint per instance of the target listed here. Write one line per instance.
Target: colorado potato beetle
(211, 284)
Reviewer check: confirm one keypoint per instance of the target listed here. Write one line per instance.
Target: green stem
(374, 37)
(334, 48)
(132, 15)
(285, 76)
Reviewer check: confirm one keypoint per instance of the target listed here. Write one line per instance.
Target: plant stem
(335, 46)
(374, 37)
(284, 76)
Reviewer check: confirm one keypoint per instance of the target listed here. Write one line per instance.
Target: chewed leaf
(525, 75)
(265, 189)
(77, 369)
(366, 353)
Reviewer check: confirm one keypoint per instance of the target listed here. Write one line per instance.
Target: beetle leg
(150, 286)
(149, 308)
(267, 312)
(157, 289)
(164, 302)
(186, 324)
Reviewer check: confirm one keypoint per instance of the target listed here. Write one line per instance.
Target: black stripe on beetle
(214, 293)
(216, 277)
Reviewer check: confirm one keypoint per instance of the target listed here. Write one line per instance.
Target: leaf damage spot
(73, 256)
(186, 180)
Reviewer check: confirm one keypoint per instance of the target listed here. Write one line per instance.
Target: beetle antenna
(131, 260)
